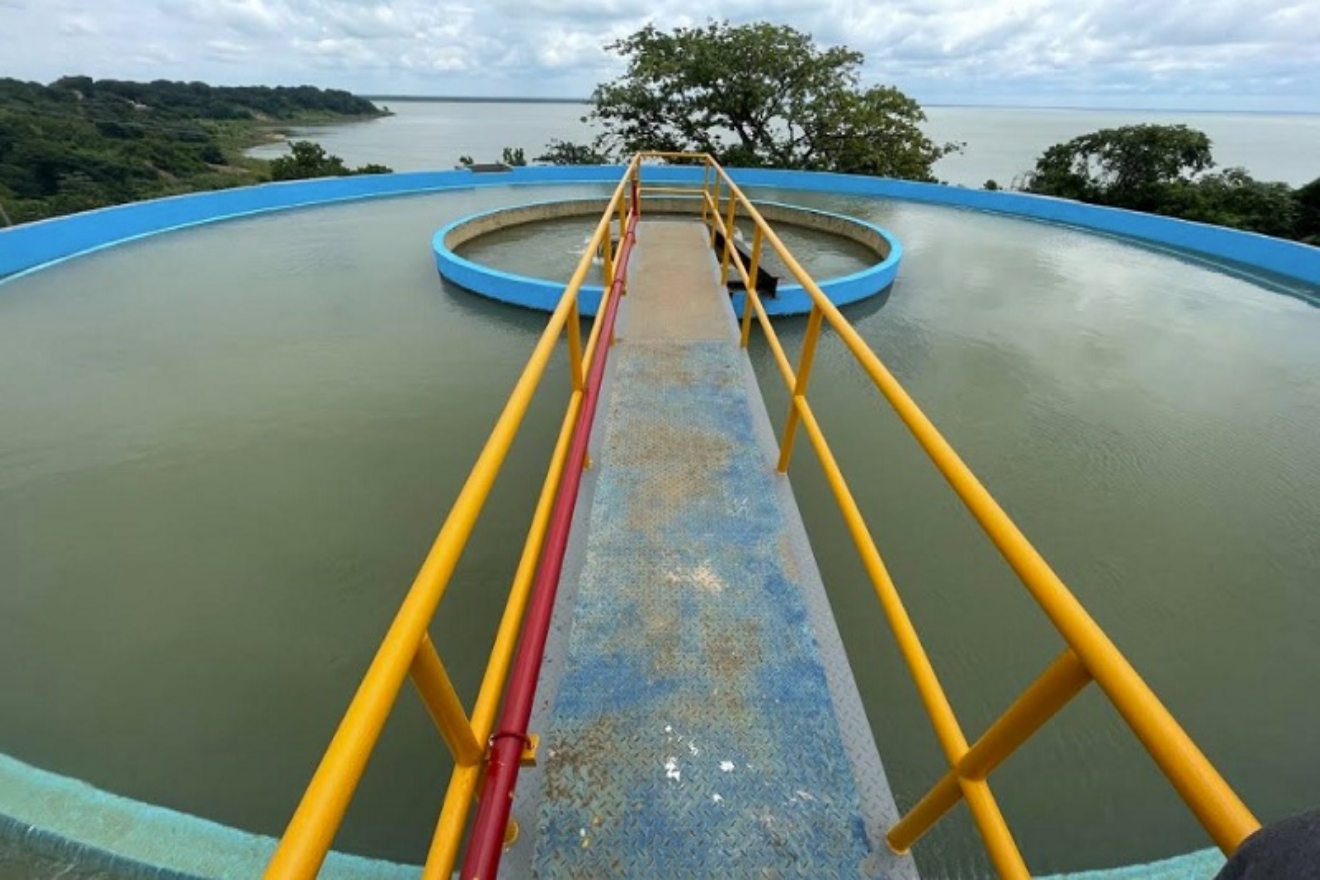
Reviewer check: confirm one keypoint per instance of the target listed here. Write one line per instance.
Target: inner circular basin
(226, 450)
(550, 249)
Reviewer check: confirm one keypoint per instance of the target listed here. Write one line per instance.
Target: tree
(1164, 169)
(755, 95)
(309, 159)
(567, 153)
(1307, 200)
(1234, 198)
(513, 156)
(1131, 167)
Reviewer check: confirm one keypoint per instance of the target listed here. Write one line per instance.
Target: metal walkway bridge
(667, 669)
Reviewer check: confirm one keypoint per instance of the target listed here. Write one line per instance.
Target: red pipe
(486, 844)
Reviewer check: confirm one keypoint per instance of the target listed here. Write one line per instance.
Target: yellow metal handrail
(407, 651)
(1089, 656)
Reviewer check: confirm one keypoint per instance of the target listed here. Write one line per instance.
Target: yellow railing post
(800, 389)
(758, 240)
(437, 691)
(607, 257)
(705, 191)
(728, 242)
(753, 294)
(718, 211)
(620, 216)
(574, 325)
(626, 209)
(1055, 688)
(623, 218)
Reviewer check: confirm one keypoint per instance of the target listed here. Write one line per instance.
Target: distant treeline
(197, 100)
(79, 143)
(1170, 170)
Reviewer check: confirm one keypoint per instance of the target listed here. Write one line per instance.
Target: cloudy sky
(1184, 54)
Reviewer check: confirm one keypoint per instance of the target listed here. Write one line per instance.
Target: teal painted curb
(1203, 864)
(68, 819)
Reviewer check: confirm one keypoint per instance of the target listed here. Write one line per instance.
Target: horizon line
(528, 99)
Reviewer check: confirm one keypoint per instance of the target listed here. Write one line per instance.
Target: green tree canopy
(1132, 166)
(80, 143)
(1165, 169)
(309, 159)
(559, 152)
(755, 95)
(1232, 197)
(1308, 212)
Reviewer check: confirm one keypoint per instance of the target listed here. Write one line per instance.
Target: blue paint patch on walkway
(693, 733)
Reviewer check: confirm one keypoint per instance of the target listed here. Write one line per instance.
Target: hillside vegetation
(80, 143)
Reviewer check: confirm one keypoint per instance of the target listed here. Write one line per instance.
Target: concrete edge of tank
(62, 818)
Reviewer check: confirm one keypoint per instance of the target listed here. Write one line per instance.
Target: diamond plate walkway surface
(697, 714)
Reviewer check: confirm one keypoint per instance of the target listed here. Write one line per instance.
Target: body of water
(1001, 143)
(226, 450)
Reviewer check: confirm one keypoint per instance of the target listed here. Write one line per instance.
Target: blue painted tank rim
(1225, 249)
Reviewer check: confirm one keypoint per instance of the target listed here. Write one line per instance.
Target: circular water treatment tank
(225, 452)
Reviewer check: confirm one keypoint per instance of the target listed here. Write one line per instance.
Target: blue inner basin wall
(543, 295)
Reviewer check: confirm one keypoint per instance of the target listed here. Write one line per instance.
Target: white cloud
(227, 50)
(1216, 54)
(78, 26)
